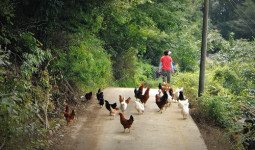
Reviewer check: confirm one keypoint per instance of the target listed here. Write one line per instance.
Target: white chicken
(123, 106)
(185, 111)
(139, 107)
(181, 104)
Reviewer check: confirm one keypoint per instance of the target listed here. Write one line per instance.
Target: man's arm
(172, 67)
(159, 67)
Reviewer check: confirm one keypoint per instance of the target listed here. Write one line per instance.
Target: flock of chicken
(164, 98)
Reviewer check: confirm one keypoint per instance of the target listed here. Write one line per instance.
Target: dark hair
(166, 52)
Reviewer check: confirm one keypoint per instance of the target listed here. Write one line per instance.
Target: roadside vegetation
(54, 51)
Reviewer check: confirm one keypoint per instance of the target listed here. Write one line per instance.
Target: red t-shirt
(166, 62)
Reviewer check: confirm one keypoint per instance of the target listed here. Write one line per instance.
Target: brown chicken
(146, 96)
(69, 115)
(126, 123)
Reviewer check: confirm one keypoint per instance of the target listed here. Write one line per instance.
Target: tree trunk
(203, 49)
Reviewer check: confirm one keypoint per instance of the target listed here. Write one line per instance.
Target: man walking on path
(166, 66)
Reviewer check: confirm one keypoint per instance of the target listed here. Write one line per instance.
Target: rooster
(126, 123)
(139, 92)
(113, 111)
(108, 106)
(69, 115)
(146, 96)
(139, 107)
(161, 101)
(88, 96)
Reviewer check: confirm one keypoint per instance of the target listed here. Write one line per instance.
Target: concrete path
(94, 130)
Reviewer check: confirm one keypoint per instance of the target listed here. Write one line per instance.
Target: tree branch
(69, 86)
(2, 145)
(40, 118)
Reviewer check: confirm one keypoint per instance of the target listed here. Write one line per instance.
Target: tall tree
(233, 16)
(203, 49)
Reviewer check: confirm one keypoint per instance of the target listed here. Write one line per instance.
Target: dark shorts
(166, 75)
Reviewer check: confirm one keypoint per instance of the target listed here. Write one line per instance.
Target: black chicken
(181, 96)
(88, 96)
(139, 92)
(99, 94)
(101, 102)
(107, 105)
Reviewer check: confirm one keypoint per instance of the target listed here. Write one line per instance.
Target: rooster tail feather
(135, 90)
(159, 86)
(114, 105)
(131, 118)
(165, 94)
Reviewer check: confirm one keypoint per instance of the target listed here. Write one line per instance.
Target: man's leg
(164, 75)
(168, 76)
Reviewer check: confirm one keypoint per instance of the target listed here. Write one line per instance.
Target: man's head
(167, 52)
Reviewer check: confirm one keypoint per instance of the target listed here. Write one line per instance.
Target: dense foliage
(229, 97)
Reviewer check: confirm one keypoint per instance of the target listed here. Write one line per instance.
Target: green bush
(86, 63)
(223, 111)
(142, 74)
(187, 80)
(144, 71)
(125, 66)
